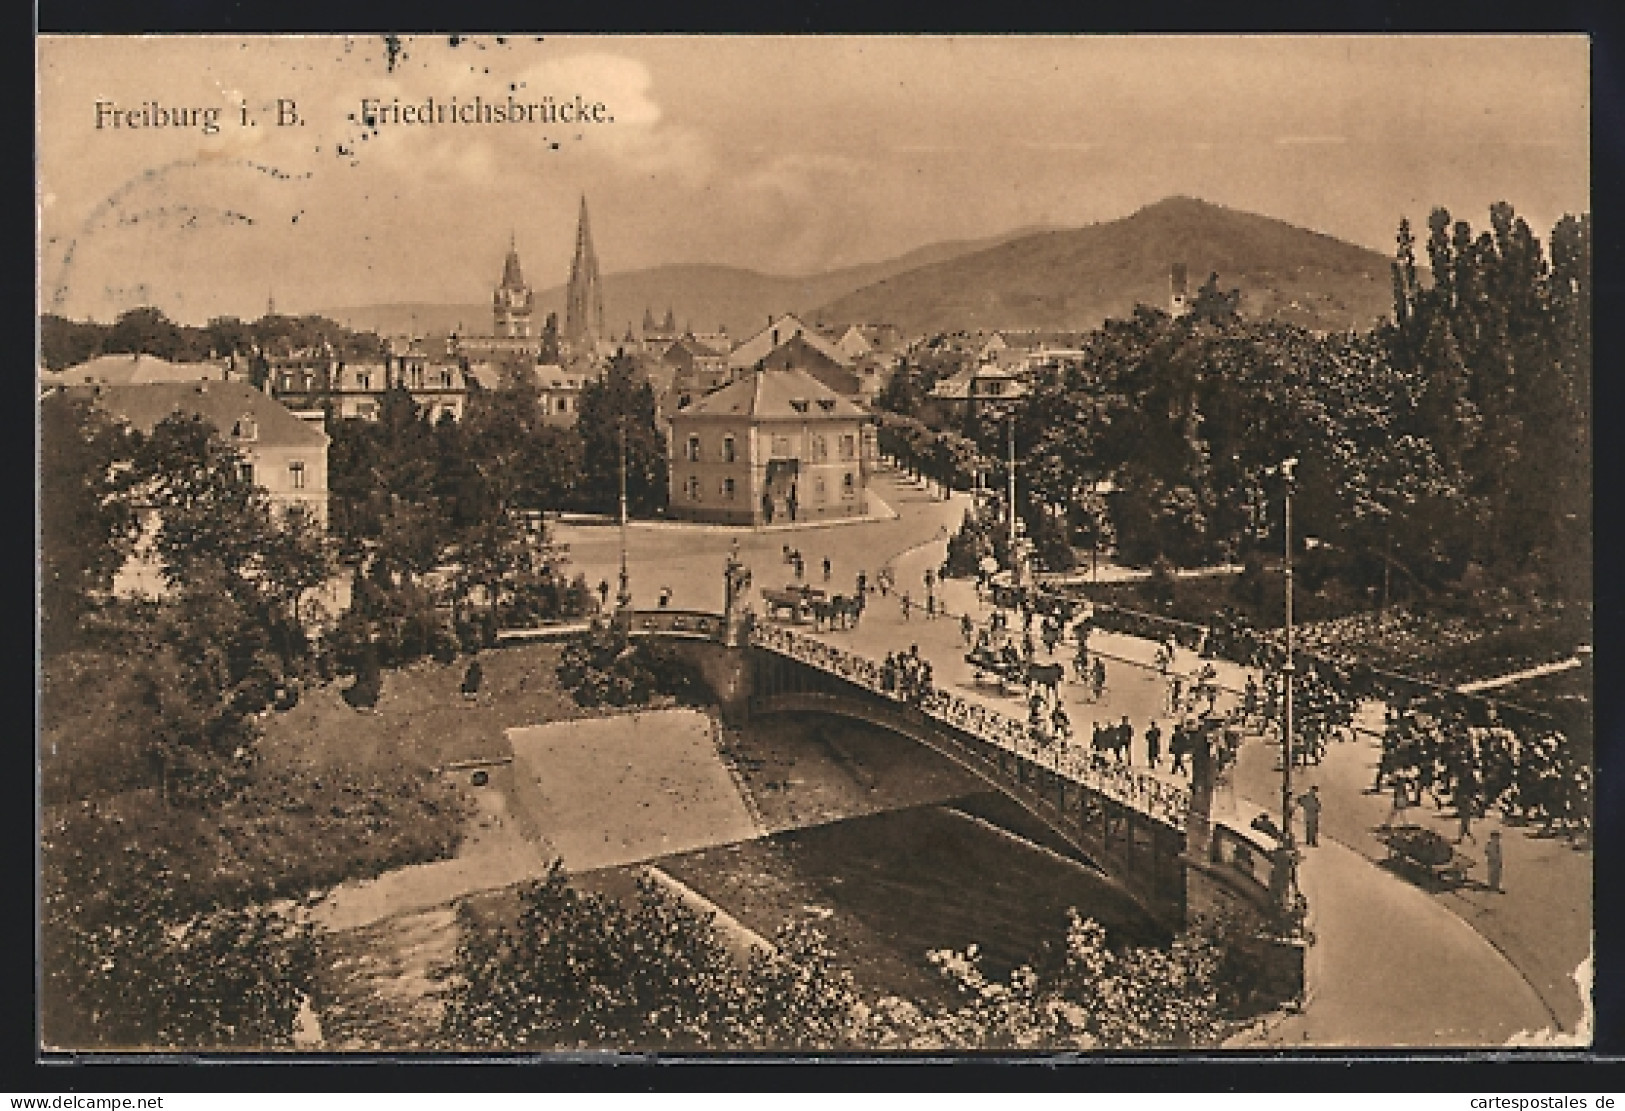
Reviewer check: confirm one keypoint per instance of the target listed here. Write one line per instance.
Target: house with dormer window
(774, 447)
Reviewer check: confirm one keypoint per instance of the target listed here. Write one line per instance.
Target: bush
(1160, 588)
(599, 668)
(369, 681)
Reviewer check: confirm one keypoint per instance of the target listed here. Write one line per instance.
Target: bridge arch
(1153, 839)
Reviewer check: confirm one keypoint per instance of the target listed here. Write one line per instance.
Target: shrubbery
(602, 667)
(580, 971)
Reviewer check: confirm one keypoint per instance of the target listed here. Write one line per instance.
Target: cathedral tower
(584, 303)
(513, 301)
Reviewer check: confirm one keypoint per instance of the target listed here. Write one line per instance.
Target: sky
(782, 154)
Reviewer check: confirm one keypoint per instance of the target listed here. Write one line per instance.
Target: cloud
(638, 137)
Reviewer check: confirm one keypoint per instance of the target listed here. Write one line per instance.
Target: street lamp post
(623, 600)
(1015, 558)
(1287, 886)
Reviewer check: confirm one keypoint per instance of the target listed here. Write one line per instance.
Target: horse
(1047, 678)
(1112, 740)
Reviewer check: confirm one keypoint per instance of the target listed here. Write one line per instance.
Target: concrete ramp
(629, 788)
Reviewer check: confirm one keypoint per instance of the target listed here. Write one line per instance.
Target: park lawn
(338, 794)
(422, 720)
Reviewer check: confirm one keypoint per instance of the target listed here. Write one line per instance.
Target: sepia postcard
(671, 544)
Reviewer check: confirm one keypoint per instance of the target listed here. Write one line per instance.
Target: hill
(1076, 278)
(700, 295)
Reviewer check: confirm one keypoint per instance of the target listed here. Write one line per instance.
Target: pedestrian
(665, 597)
(1125, 740)
(967, 629)
(801, 568)
(603, 594)
(863, 584)
(1466, 803)
(930, 603)
(1153, 745)
(1060, 722)
(907, 603)
(1493, 860)
(1310, 805)
(1098, 678)
(1178, 745)
(1402, 802)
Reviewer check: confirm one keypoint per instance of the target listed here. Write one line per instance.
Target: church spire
(512, 301)
(584, 303)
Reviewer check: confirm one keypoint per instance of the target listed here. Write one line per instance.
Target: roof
(512, 277)
(221, 404)
(854, 342)
(693, 347)
(119, 370)
(551, 376)
(763, 343)
(955, 387)
(486, 375)
(776, 395)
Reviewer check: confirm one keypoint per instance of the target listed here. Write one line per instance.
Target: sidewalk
(1394, 964)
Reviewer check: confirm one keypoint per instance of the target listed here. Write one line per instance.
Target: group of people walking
(906, 674)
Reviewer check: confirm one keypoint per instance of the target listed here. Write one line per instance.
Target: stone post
(1199, 818)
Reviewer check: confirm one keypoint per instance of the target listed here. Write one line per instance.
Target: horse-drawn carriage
(1424, 850)
(802, 604)
(1012, 671)
(793, 603)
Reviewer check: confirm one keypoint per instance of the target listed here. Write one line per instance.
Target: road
(1393, 964)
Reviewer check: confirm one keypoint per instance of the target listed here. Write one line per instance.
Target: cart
(1427, 851)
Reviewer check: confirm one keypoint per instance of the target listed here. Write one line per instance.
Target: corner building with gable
(774, 447)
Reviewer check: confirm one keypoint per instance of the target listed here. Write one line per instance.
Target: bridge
(1156, 839)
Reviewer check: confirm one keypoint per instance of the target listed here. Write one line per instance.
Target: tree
(87, 528)
(1212, 303)
(211, 517)
(610, 404)
(549, 352)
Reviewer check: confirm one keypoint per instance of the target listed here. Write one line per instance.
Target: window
(728, 489)
(849, 447)
(693, 488)
(245, 429)
(445, 379)
(245, 471)
(818, 448)
(849, 486)
(564, 405)
(363, 381)
(821, 490)
(693, 449)
(728, 451)
(296, 475)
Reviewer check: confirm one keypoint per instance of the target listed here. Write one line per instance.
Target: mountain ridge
(1076, 278)
(702, 295)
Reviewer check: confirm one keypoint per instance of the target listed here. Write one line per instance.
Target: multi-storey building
(775, 446)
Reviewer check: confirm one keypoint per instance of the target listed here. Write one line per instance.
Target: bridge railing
(1167, 802)
(695, 623)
